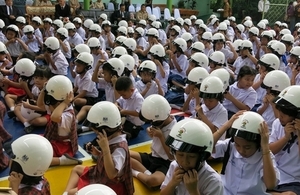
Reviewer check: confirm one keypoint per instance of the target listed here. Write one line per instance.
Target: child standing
(113, 164)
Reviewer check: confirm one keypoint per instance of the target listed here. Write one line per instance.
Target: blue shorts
(293, 187)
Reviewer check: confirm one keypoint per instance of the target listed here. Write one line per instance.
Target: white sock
(135, 172)
(147, 172)
(26, 124)
(65, 193)
(64, 160)
(85, 128)
(12, 108)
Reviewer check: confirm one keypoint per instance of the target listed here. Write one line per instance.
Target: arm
(49, 60)
(204, 118)
(240, 105)
(278, 145)
(175, 63)
(63, 45)
(82, 94)
(23, 45)
(40, 101)
(160, 91)
(258, 83)
(57, 112)
(129, 112)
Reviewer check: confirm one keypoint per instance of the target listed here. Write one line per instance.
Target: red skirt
(60, 148)
(16, 91)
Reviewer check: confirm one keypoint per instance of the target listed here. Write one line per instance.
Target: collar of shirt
(133, 95)
(214, 110)
(255, 158)
(117, 139)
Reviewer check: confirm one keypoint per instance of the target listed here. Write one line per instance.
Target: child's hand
(5, 81)
(288, 129)
(103, 141)
(190, 180)
(297, 125)
(69, 98)
(270, 98)
(148, 85)
(150, 133)
(26, 104)
(23, 84)
(195, 92)
(114, 80)
(156, 132)
(15, 180)
(199, 110)
(178, 176)
(264, 134)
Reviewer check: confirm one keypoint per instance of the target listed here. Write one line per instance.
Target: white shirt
(97, 58)
(102, 43)
(243, 175)
(2, 37)
(288, 163)
(183, 63)
(228, 54)
(192, 105)
(261, 92)
(60, 62)
(133, 103)
(152, 90)
(269, 116)
(112, 38)
(162, 36)
(246, 96)
(64, 127)
(119, 154)
(75, 39)
(35, 91)
(14, 49)
(163, 80)
(209, 181)
(86, 84)
(81, 32)
(38, 34)
(67, 54)
(109, 90)
(240, 62)
(32, 46)
(297, 79)
(142, 42)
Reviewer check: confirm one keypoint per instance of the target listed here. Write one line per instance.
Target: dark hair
(122, 4)
(110, 69)
(27, 180)
(123, 83)
(28, 54)
(43, 71)
(246, 70)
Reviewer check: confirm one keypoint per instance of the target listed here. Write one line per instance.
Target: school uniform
(81, 32)
(226, 51)
(43, 187)
(142, 86)
(297, 79)
(67, 54)
(14, 49)
(268, 116)
(142, 43)
(97, 58)
(85, 83)
(243, 175)
(192, 30)
(163, 80)
(75, 39)
(230, 33)
(179, 76)
(246, 96)
(109, 90)
(209, 181)
(112, 38)
(38, 34)
(2, 37)
(49, 32)
(133, 80)
(261, 92)
(60, 62)
(192, 105)
(240, 62)
(287, 159)
(134, 123)
(32, 46)
(282, 65)
(162, 36)
(123, 183)
(136, 60)
(212, 29)
(102, 42)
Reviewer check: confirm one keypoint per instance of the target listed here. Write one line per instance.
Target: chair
(167, 14)
(149, 11)
(159, 11)
(110, 6)
(131, 8)
(137, 8)
(176, 13)
(156, 13)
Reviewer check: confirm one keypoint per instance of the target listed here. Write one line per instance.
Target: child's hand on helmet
(178, 176)
(190, 180)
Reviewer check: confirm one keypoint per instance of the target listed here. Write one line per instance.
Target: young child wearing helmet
(241, 95)
(62, 35)
(249, 166)
(5, 58)
(211, 111)
(78, 24)
(48, 29)
(96, 31)
(138, 35)
(130, 45)
(293, 60)
(189, 173)
(129, 104)
(148, 84)
(107, 35)
(57, 95)
(73, 37)
(130, 66)
(75, 52)
(33, 42)
(113, 163)
(31, 158)
(97, 51)
(36, 22)
(151, 168)
(284, 140)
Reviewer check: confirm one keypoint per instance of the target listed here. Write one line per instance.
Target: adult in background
(9, 13)
(62, 10)
(142, 14)
(297, 11)
(75, 5)
(148, 3)
(119, 15)
(127, 3)
(263, 7)
(227, 10)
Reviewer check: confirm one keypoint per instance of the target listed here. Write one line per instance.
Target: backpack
(291, 11)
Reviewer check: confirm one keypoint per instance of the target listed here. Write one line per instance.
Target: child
(62, 35)
(151, 168)
(148, 84)
(189, 173)
(78, 24)
(138, 35)
(189, 40)
(84, 88)
(129, 105)
(206, 39)
(2, 36)
(96, 30)
(25, 176)
(129, 64)
(20, 23)
(48, 29)
(130, 45)
(74, 38)
(57, 96)
(241, 95)
(33, 42)
(113, 165)
(5, 59)
(75, 52)
(212, 112)
(249, 166)
(28, 112)
(36, 22)
(97, 51)
(107, 35)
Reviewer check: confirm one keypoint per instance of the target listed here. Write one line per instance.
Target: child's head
(175, 30)
(288, 104)
(211, 91)
(152, 34)
(25, 68)
(245, 48)
(275, 81)
(27, 54)
(253, 33)
(157, 52)
(113, 67)
(119, 41)
(188, 37)
(3, 52)
(71, 29)
(122, 31)
(20, 22)
(12, 32)
(268, 62)
(124, 87)
(47, 23)
(155, 110)
(84, 62)
(41, 75)
(266, 36)
(130, 45)
(287, 40)
(246, 77)
(196, 76)
(36, 22)
(180, 46)
(28, 152)
(129, 64)
(224, 75)
(94, 45)
(245, 133)
(79, 49)
(197, 60)
(294, 55)
(62, 34)
(95, 29)
(77, 22)
(197, 47)
(118, 52)
(57, 24)
(51, 44)
(217, 60)
(147, 71)
(277, 48)
(28, 31)
(105, 116)
(218, 41)
(106, 26)
(190, 151)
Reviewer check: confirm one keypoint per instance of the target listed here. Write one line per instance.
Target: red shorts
(47, 116)
(60, 148)
(16, 91)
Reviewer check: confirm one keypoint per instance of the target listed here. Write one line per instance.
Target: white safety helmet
(289, 99)
(212, 87)
(63, 31)
(197, 75)
(171, 19)
(143, 22)
(240, 28)
(227, 22)
(151, 17)
(48, 20)
(193, 17)
(203, 26)
(140, 31)
(104, 113)
(58, 87)
(187, 21)
(96, 189)
(268, 34)
(155, 108)
(130, 44)
(86, 59)
(130, 30)
(147, 66)
(273, 32)
(118, 51)
(237, 44)
(13, 28)
(37, 20)
(184, 136)
(128, 61)
(176, 28)
(116, 65)
(200, 59)
(212, 16)
(198, 46)
(187, 36)
(103, 16)
(157, 50)
(213, 21)
(207, 36)
(52, 43)
(270, 43)
(2, 24)
(87, 23)
(285, 32)
(106, 22)
(266, 21)
(247, 18)
(278, 23)
(287, 38)
(120, 39)
(198, 22)
(224, 75)
(21, 19)
(33, 153)
(261, 25)
(295, 51)
(122, 30)
(232, 18)
(247, 125)
(179, 21)
(28, 29)
(278, 48)
(297, 25)
(283, 24)
(58, 23)
(70, 26)
(276, 80)
(181, 43)
(123, 23)
(96, 28)
(152, 32)
(254, 31)
(270, 61)
(156, 24)
(29, 114)
(248, 23)
(82, 48)
(77, 20)
(217, 57)
(246, 44)
(25, 67)
(222, 26)
(3, 48)
(218, 37)
(93, 42)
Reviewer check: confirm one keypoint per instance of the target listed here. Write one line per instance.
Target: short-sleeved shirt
(32, 46)
(183, 63)
(60, 62)
(240, 62)
(109, 90)
(142, 42)
(14, 49)
(261, 92)
(112, 38)
(142, 86)
(163, 80)
(67, 54)
(64, 127)
(86, 84)
(269, 116)
(38, 34)
(75, 39)
(81, 32)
